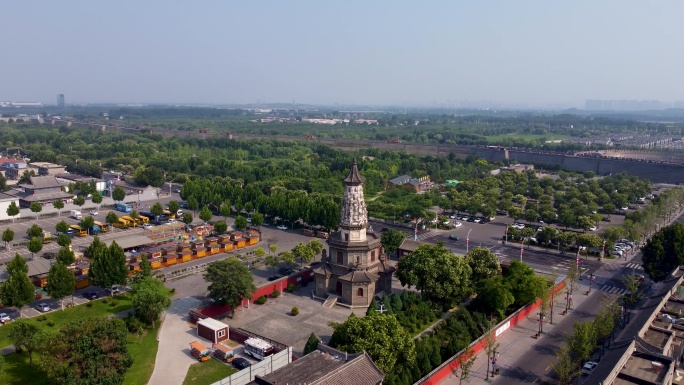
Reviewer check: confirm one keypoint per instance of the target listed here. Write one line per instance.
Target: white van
(76, 214)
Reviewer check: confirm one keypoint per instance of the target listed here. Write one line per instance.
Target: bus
(78, 231)
(124, 207)
(258, 348)
(103, 226)
(309, 233)
(169, 214)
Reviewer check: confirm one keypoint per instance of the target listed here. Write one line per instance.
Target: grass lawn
(99, 309)
(207, 372)
(143, 355)
(16, 370)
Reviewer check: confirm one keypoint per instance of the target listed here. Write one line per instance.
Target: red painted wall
(446, 369)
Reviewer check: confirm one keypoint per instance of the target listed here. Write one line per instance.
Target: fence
(449, 366)
(268, 365)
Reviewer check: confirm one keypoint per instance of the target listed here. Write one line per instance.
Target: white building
(5, 201)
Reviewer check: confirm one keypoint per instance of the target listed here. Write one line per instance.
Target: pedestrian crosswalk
(613, 289)
(635, 266)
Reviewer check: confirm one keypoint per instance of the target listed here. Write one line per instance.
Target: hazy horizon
(524, 54)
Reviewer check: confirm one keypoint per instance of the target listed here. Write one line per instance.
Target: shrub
(290, 288)
(89, 304)
(261, 300)
(113, 303)
(50, 323)
(275, 294)
(133, 323)
(294, 311)
(105, 300)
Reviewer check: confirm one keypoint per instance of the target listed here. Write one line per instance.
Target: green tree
(515, 213)
(396, 302)
(8, 237)
(145, 267)
(564, 366)
(633, 286)
(34, 245)
(311, 344)
(34, 231)
(257, 219)
(259, 252)
(150, 298)
(466, 360)
(272, 261)
(380, 336)
(436, 272)
(12, 210)
(187, 218)
(523, 283)
(24, 334)
(205, 214)
(87, 222)
(664, 251)
(78, 354)
(97, 199)
(193, 204)
(303, 253)
(58, 205)
(36, 208)
(111, 218)
(63, 240)
(17, 290)
(493, 296)
(483, 264)
(315, 246)
(391, 240)
(61, 282)
(62, 227)
(157, 209)
(224, 210)
(107, 265)
(79, 201)
(240, 222)
(273, 248)
(26, 177)
(220, 227)
(118, 194)
(230, 281)
(584, 222)
(174, 206)
(134, 215)
(65, 256)
(287, 257)
(582, 341)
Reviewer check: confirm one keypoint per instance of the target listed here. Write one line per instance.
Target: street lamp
(522, 244)
(506, 240)
(468, 241)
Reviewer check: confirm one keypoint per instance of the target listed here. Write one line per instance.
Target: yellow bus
(131, 221)
(169, 214)
(104, 227)
(78, 231)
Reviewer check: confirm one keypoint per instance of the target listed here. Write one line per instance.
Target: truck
(76, 214)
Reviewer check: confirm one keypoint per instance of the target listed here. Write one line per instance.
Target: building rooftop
(212, 324)
(326, 366)
(41, 182)
(132, 241)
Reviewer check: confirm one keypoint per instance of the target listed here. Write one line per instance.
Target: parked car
(48, 255)
(241, 363)
(274, 277)
(43, 307)
(249, 219)
(452, 216)
(5, 318)
(282, 227)
(593, 228)
(147, 226)
(477, 220)
(458, 224)
(624, 208)
(94, 212)
(588, 367)
(91, 296)
(285, 271)
(115, 290)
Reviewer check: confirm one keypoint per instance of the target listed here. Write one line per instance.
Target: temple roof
(354, 177)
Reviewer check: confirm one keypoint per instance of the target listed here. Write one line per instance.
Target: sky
(526, 53)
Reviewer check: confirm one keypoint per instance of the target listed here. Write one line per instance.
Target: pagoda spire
(354, 177)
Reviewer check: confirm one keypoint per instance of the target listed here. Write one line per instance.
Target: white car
(170, 221)
(282, 227)
(249, 220)
(43, 307)
(4, 318)
(452, 216)
(458, 224)
(593, 228)
(93, 212)
(624, 208)
(588, 367)
(477, 220)
(147, 226)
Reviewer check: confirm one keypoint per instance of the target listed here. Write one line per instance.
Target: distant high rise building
(60, 101)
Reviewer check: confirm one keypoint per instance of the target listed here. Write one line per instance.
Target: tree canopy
(229, 282)
(483, 264)
(17, 290)
(379, 335)
(664, 251)
(150, 298)
(437, 273)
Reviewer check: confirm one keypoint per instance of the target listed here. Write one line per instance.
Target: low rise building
(13, 168)
(650, 348)
(326, 366)
(68, 178)
(47, 168)
(414, 184)
(5, 201)
(41, 189)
